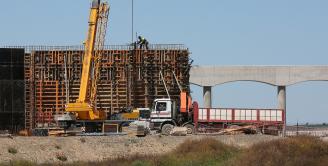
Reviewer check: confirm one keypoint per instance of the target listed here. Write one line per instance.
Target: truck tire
(166, 129)
(190, 128)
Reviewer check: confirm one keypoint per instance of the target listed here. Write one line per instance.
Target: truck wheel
(190, 128)
(166, 129)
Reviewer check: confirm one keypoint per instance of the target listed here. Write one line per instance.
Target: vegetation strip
(295, 151)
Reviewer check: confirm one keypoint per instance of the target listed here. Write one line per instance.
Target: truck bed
(240, 115)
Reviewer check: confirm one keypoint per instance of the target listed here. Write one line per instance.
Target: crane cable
(132, 19)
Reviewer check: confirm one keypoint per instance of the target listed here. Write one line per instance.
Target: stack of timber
(249, 129)
(233, 130)
(129, 78)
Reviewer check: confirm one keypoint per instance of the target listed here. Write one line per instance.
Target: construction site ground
(98, 148)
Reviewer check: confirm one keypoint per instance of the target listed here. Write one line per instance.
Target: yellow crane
(83, 113)
(85, 108)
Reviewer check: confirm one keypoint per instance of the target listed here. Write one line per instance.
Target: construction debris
(141, 131)
(23, 133)
(139, 128)
(5, 133)
(179, 131)
(249, 129)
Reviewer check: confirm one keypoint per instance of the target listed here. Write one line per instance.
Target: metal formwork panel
(11, 89)
(128, 78)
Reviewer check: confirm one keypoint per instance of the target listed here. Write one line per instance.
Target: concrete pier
(282, 103)
(207, 96)
(282, 97)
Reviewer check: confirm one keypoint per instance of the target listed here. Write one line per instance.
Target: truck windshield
(161, 106)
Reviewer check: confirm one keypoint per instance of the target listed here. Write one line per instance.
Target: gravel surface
(46, 149)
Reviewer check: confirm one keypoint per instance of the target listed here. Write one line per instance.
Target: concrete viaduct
(280, 76)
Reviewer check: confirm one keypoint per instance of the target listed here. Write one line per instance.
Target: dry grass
(202, 152)
(297, 151)
(191, 152)
(19, 163)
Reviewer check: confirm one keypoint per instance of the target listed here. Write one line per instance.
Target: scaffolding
(129, 78)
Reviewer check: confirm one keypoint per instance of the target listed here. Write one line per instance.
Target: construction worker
(142, 42)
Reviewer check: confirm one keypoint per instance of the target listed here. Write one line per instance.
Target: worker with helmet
(142, 42)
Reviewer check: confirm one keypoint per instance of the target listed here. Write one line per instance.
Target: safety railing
(30, 48)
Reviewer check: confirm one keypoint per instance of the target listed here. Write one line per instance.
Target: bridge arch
(279, 76)
(274, 75)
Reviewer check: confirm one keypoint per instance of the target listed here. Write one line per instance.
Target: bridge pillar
(282, 103)
(207, 96)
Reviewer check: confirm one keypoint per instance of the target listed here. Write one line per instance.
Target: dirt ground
(88, 148)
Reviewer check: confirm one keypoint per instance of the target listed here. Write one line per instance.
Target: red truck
(167, 113)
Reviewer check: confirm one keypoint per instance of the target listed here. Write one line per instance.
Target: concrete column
(207, 96)
(282, 97)
(282, 103)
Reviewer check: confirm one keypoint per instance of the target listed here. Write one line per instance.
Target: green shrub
(21, 163)
(191, 152)
(12, 150)
(140, 163)
(57, 147)
(61, 157)
(206, 151)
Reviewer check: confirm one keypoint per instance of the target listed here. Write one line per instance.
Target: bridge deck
(273, 75)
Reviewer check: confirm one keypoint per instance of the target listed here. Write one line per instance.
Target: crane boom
(89, 49)
(83, 106)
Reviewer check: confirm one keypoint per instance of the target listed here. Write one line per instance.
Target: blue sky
(217, 32)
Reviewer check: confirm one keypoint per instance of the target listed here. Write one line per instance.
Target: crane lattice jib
(99, 50)
(83, 107)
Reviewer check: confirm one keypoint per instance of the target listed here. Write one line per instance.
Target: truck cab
(161, 111)
(166, 114)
